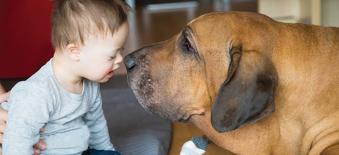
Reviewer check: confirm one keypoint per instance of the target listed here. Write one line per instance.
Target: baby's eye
(112, 57)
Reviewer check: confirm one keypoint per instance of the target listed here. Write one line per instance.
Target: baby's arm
(28, 112)
(95, 119)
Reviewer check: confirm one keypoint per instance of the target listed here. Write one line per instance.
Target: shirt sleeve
(96, 122)
(28, 112)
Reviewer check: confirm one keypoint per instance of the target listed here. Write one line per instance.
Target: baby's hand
(3, 119)
(38, 147)
(3, 114)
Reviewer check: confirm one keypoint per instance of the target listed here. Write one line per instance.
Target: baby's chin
(104, 80)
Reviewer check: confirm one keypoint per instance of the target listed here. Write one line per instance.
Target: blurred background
(25, 25)
(25, 28)
(25, 46)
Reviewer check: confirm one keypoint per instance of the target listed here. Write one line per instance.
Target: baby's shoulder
(29, 95)
(31, 86)
(30, 91)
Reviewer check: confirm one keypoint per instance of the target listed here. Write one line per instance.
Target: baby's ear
(73, 51)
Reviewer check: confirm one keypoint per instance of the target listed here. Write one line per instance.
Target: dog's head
(212, 65)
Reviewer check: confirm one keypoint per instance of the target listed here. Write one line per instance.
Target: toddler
(63, 97)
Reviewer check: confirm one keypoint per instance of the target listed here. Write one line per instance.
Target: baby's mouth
(110, 73)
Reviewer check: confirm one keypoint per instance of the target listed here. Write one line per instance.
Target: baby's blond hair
(74, 20)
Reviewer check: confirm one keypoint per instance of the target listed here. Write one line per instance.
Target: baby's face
(100, 56)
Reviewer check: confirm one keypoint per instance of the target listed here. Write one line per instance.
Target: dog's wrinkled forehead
(213, 33)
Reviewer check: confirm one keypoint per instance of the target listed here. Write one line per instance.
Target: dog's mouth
(151, 100)
(183, 119)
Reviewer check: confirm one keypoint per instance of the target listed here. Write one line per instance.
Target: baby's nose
(118, 59)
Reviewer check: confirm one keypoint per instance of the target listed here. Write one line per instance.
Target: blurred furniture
(189, 7)
(25, 37)
(317, 12)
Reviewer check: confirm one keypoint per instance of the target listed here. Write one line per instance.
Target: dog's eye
(187, 46)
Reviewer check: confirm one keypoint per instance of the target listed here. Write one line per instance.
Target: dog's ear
(247, 93)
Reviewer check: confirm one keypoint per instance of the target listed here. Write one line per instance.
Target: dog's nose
(130, 62)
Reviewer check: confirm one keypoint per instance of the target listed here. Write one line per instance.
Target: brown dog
(252, 85)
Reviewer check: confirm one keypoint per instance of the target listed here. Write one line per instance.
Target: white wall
(280, 9)
(318, 12)
(330, 13)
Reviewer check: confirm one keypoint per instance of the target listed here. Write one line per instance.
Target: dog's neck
(267, 136)
(245, 140)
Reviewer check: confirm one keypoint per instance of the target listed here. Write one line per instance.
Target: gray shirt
(71, 122)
